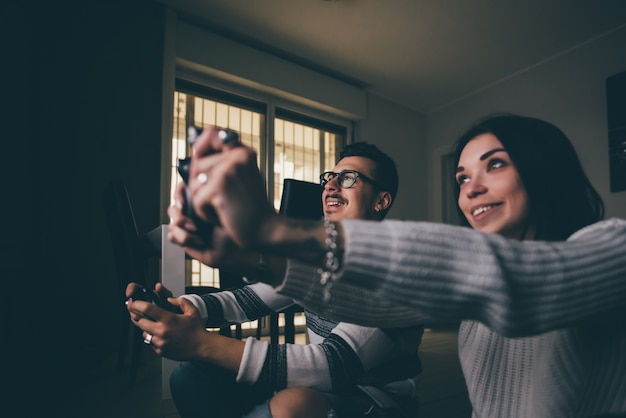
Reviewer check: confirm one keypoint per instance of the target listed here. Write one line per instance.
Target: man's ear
(383, 202)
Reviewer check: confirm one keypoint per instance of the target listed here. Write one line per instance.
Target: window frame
(271, 108)
(274, 105)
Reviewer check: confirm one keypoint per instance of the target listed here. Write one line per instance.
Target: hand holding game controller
(148, 295)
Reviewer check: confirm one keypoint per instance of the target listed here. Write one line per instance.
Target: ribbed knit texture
(339, 354)
(544, 331)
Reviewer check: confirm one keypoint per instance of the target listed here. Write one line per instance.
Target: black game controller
(193, 132)
(153, 297)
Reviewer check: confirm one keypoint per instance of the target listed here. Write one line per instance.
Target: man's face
(361, 201)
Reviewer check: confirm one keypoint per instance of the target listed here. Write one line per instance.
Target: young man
(220, 376)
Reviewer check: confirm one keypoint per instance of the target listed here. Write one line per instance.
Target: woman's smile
(492, 196)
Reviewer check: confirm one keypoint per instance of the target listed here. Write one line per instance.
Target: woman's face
(492, 196)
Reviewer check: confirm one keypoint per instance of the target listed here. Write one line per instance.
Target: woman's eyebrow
(482, 157)
(490, 153)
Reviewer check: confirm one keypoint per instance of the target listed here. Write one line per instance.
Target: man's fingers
(131, 288)
(187, 307)
(163, 291)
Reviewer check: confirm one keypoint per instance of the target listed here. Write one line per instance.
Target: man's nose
(332, 184)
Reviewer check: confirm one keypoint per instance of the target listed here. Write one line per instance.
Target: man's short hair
(385, 172)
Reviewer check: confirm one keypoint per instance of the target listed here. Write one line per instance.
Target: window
(292, 144)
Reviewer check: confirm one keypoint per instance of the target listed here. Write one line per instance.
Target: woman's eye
(496, 163)
(462, 179)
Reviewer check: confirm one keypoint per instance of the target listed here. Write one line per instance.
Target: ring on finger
(202, 178)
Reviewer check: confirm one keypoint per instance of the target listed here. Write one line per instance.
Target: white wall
(401, 133)
(568, 90)
(197, 49)
(398, 131)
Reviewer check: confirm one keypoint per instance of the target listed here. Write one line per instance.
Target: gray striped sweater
(543, 331)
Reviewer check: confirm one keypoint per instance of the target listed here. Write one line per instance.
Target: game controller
(153, 297)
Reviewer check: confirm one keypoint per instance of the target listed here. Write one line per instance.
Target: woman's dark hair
(562, 199)
(385, 173)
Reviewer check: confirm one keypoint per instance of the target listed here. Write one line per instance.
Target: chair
(300, 199)
(131, 263)
(132, 254)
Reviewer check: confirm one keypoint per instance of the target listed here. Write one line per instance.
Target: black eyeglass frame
(356, 174)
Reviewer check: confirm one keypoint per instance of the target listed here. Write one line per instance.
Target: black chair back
(301, 199)
(129, 254)
(131, 264)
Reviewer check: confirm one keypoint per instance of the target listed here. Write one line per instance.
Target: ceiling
(423, 54)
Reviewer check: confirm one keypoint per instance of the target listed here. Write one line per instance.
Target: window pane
(199, 111)
(302, 147)
(301, 152)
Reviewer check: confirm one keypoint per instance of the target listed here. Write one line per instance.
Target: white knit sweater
(339, 354)
(543, 331)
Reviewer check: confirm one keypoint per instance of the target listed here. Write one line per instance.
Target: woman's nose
(475, 187)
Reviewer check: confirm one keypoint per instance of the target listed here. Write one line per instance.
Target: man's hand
(175, 336)
(183, 337)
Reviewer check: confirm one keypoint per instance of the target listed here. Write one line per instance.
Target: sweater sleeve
(517, 288)
(350, 302)
(240, 305)
(334, 364)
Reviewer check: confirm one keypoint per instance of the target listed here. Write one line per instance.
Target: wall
(87, 83)
(397, 130)
(230, 61)
(87, 86)
(401, 133)
(568, 90)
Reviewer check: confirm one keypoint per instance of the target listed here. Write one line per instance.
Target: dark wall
(84, 90)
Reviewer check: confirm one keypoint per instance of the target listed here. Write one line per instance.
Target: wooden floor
(442, 389)
(103, 392)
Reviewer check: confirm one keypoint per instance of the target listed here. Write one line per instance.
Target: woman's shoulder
(616, 225)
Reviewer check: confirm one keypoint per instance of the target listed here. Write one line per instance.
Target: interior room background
(87, 88)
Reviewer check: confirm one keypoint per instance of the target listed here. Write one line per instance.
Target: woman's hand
(228, 190)
(216, 249)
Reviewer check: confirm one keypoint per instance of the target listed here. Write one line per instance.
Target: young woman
(539, 280)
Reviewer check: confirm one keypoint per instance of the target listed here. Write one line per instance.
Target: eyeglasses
(345, 179)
